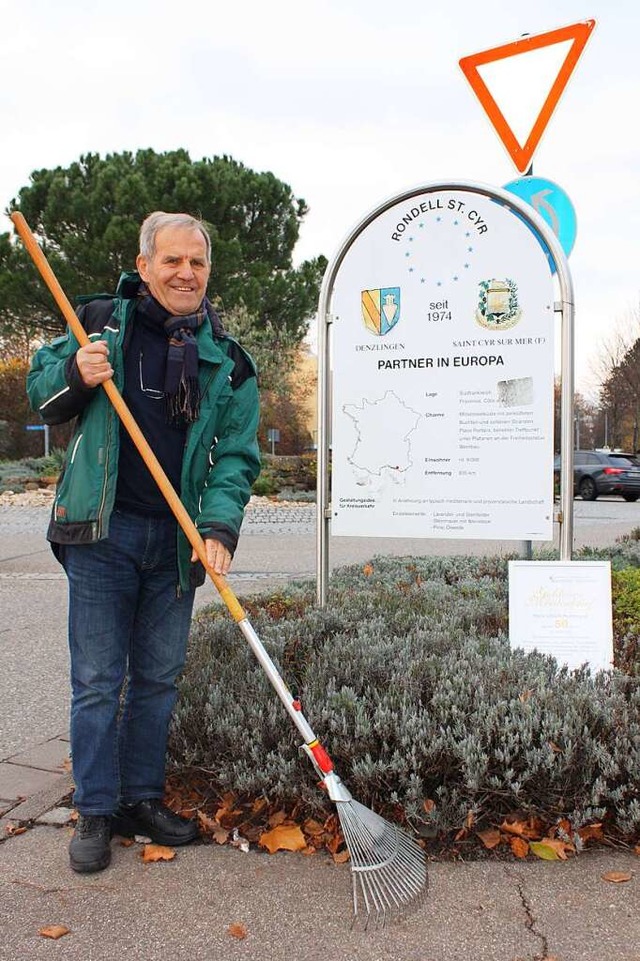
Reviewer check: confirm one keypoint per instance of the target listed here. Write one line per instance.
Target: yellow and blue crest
(381, 309)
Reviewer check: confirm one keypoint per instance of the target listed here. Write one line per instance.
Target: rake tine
(409, 881)
(388, 868)
(401, 889)
(362, 883)
(399, 896)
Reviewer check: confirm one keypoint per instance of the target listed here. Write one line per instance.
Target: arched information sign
(436, 333)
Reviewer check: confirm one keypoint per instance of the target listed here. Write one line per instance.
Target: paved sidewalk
(288, 906)
(43, 769)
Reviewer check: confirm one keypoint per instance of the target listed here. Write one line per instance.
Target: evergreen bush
(263, 485)
(302, 497)
(14, 474)
(408, 678)
(625, 589)
(295, 472)
(52, 464)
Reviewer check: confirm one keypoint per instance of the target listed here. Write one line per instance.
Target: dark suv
(606, 472)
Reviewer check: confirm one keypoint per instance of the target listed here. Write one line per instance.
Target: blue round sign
(553, 205)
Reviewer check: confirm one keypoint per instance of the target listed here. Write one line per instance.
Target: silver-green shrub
(408, 678)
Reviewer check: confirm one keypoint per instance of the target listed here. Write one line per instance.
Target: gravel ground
(29, 513)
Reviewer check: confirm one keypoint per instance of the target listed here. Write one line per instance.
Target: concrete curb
(34, 807)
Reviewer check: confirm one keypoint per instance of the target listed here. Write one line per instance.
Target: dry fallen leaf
(277, 818)
(206, 823)
(591, 831)
(636, 850)
(157, 852)
(491, 838)
(284, 837)
(525, 829)
(335, 841)
(367, 570)
(250, 832)
(213, 829)
(227, 812)
(342, 857)
(54, 931)
(259, 805)
(12, 831)
(549, 849)
(429, 805)
(617, 876)
(313, 828)
(237, 931)
(219, 835)
(519, 847)
(561, 846)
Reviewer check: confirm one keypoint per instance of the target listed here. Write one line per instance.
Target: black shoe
(89, 849)
(154, 820)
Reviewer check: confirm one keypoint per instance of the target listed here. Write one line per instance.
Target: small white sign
(563, 608)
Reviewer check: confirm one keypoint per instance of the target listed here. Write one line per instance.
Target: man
(131, 572)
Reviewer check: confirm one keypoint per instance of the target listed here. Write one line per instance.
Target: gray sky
(348, 101)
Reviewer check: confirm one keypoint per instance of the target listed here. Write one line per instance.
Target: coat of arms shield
(498, 307)
(381, 309)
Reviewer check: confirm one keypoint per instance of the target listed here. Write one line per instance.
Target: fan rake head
(389, 869)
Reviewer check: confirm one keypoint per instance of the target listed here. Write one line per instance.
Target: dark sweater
(144, 370)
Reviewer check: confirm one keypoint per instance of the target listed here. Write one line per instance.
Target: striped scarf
(181, 388)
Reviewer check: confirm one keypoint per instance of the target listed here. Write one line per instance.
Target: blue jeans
(125, 621)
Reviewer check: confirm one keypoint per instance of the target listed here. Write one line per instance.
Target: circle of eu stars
(468, 251)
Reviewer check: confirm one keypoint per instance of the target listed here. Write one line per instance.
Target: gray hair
(158, 220)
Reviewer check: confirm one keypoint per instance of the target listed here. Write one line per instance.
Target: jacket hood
(128, 287)
(128, 284)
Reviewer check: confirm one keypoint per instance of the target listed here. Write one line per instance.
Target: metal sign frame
(564, 306)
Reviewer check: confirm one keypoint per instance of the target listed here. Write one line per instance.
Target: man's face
(178, 272)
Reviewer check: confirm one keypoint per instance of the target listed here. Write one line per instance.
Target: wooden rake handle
(125, 415)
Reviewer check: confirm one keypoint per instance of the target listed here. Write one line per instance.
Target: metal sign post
(444, 296)
(273, 436)
(45, 429)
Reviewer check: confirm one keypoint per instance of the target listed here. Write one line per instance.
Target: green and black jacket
(221, 458)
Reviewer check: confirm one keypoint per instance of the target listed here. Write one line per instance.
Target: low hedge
(286, 473)
(409, 680)
(625, 589)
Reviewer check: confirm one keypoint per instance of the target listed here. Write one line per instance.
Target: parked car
(598, 472)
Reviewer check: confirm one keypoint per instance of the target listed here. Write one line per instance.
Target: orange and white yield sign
(554, 53)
